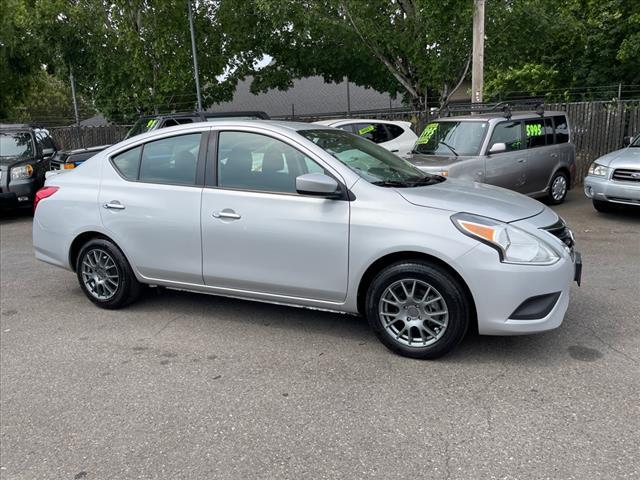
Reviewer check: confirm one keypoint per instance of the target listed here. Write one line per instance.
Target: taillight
(43, 193)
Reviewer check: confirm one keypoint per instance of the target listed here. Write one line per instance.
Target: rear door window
(171, 160)
(534, 131)
(561, 128)
(509, 133)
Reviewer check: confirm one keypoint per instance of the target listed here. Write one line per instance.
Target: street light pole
(195, 57)
(477, 69)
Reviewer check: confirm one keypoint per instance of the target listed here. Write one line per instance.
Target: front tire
(602, 206)
(417, 310)
(558, 188)
(105, 275)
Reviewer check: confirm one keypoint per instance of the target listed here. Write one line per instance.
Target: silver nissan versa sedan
(302, 215)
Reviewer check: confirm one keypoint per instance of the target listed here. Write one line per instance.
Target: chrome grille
(626, 175)
(561, 231)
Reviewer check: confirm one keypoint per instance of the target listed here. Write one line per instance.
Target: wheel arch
(82, 238)
(389, 259)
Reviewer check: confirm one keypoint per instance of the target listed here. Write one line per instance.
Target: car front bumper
(603, 189)
(18, 193)
(501, 290)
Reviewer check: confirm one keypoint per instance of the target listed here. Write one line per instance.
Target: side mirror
(627, 141)
(317, 184)
(47, 152)
(498, 148)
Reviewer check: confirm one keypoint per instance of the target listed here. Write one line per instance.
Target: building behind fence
(598, 127)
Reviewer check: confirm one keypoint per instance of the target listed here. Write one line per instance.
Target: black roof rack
(506, 108)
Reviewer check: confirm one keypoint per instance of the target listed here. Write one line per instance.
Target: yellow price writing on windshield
(427, 133)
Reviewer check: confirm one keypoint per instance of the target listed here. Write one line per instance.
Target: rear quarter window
(561, 128)
(128, 163)
(394, 130)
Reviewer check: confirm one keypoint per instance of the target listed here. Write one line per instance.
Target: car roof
(497, 116)
(85, 150)
(360, 120)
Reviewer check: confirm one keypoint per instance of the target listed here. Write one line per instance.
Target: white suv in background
(397, 137)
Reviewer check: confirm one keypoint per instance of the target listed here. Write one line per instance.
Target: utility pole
(348, 99)
(477, 69)
(195, 57)
(73, 95)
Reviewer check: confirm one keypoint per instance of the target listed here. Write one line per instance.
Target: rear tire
(105, 275)
(603, 207)
(558, 188)
(418, 310)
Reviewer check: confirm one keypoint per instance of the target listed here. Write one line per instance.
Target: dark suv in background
(154, 122)
(25, 156)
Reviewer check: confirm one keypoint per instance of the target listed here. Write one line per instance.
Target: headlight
(513, 244)
(598, 170)
(23, 171)
(442, 173)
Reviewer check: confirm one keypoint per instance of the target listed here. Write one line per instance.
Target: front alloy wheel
(418, 309)
(413, 312)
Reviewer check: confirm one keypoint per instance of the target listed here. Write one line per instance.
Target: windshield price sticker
(365, 130)
(427, 133)
(534, 130)
(151, 123)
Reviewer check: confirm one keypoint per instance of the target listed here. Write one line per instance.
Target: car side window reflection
(128, 163)
(251, 161)
(508, 133)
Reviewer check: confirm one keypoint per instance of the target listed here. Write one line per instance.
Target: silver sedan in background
(304, 215)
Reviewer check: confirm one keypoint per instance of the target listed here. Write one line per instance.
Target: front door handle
(226, 213)
(114, 205)
(522, 160)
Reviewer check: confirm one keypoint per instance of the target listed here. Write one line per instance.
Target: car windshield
(373, 163)
(451, 138)
(143, 125)
(636, 143)
(15, 144)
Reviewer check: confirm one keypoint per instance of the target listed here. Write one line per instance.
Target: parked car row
(528, 152)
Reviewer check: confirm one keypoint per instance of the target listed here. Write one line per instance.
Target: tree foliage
(131, 57)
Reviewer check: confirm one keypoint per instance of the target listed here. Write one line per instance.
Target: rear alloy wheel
(558, 188)
(417, 310)
(105, 275)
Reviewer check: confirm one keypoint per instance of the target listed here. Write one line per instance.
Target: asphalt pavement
(187, 386)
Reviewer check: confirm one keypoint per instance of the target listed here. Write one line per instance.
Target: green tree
(419, 48)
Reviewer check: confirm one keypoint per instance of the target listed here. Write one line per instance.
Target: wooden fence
(597, 127)
(69, 138)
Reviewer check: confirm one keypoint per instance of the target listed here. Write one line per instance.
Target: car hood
(8, 161)
(433, 162)
(624, 158)
(477, 198)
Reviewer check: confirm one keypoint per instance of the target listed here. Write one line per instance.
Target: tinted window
(171, 160)
(372, 131)
(81, 157)
(534, 131)
(251, 161)
(562, 129)
(508, 133)
(128, 162)
(47, 142)
(394, 130)
(172, 122)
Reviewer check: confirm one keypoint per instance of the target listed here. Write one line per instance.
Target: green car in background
(528, 152)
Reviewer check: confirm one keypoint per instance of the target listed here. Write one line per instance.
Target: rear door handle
(522, 160)
(114, 205)
(554, 155)
(226, 213)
